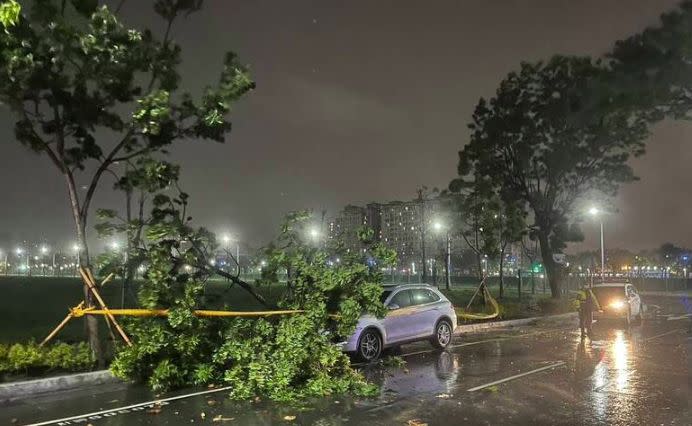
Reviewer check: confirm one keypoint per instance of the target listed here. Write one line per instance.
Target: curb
(470, 328)
(17, 390)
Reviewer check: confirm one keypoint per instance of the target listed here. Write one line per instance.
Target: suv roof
(412, 285)
(611, 285)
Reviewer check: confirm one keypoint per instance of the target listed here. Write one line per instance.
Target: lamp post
(5, 262)
(44, 252)
(19, 252)
(77, 249)
(439, 227)
(227, 240)
(595, 212)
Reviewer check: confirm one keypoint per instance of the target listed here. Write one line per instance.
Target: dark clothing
(585, 299)
(585, 320)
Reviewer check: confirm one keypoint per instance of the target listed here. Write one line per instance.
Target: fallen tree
(280, 357)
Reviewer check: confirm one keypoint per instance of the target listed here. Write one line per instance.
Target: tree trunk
(91, 324)
(549, 264)
(502, 275)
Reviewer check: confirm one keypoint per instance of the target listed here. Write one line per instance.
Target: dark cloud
(360, 101)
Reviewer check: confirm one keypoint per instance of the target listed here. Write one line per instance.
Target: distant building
(397, 224)
(344, 227)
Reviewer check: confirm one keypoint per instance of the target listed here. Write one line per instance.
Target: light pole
(227, 240)
(447, 254)
(595, 212)
(5, 263)
(76, 249)
(19, 252)
(44, 252)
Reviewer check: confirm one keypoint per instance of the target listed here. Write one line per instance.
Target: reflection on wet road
(546, 375)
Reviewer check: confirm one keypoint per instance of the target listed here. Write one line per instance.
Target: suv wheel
(443, 334)
(369, 345)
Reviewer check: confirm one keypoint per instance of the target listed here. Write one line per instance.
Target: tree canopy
(546, 139)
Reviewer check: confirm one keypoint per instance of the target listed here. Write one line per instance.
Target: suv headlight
(616, 305)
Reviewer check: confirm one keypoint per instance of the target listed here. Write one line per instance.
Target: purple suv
(416, 312)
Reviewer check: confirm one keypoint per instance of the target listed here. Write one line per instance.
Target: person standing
(586, 302)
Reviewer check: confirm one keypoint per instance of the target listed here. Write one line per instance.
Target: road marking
(114, 411)
(671, 318)
(517, 376)
(677, 330)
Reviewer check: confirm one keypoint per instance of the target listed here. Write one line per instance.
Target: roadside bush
(30, 358)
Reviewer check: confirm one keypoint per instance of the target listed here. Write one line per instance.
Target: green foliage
(551, 135)
(279, 357)
(21, 358)
(9, 13)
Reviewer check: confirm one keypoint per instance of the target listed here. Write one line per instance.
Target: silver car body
(404, 324)
(610, 292)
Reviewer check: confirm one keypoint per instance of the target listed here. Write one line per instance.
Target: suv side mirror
(392, 306)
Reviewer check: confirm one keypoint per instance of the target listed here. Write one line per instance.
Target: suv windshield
(605, 294)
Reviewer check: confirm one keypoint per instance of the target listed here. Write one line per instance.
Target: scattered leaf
(154, 410)
(444, 396)
(492, 389)
(203, 415)
(289, 418)
(211, 402)
(221, 418)
(416, 422)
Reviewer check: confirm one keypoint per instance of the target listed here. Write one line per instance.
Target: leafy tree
(90, 93)
(280, 357)
(549, 137)
(653, 68)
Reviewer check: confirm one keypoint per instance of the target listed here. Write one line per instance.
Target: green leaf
(106, 214)
(9, 13)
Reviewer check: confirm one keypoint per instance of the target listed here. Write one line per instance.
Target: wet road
(543, 374)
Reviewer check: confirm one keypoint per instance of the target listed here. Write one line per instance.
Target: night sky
(362, 101)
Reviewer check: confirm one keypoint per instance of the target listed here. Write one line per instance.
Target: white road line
(517, 376)
(673, 318)
(129, 407)
(677, 330)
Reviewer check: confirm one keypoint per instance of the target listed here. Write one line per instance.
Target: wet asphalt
(636, 376)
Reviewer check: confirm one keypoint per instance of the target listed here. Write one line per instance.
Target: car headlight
(617, 304)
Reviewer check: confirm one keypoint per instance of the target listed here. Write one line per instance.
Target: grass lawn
(31, 306)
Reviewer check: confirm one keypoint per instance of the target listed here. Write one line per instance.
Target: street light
(595, 212)
(227, 240)
(439, 227)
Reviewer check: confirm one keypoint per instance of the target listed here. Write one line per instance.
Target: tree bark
(502, 275)
(91, 324)
(549, 264)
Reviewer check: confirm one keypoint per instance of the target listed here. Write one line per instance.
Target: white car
(416, 312)
(618, 301)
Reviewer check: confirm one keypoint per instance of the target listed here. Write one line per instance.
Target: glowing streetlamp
(439, 227)
(595, 212)
(226, 238)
